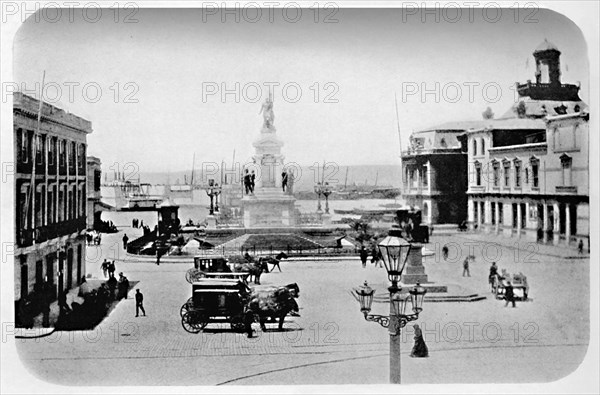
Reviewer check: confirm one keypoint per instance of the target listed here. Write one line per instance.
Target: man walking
(139, 303)
(125, 240)
(466, 272)
(509, 294)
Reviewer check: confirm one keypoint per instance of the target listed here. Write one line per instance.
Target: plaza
(541, 340)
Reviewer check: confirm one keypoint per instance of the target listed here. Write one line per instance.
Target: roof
(454, 126)
(546, 46)
(512, 124)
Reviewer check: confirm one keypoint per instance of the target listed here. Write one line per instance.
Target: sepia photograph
(299, 197)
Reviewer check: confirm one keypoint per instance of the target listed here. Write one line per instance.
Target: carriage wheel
(237, 323)
(189, 274)
(188, 321)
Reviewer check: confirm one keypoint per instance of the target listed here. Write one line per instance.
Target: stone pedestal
(326, 219)
(269, 206)
(414, 272)
(211, 221)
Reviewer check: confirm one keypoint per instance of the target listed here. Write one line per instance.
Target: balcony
(566, 189)
(25, 237)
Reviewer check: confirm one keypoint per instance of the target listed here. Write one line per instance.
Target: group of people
(375, 256)
(249, 182)
(137, 223)
(93, 237)
(108, 267)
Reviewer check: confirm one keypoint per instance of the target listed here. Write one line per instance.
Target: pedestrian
(158, 256)
(284, 180)
(247, 182)
(580, 246)
(104, 267)
(125, 240)
(139, 303)
(123, 286)
(252, 182)
(466, 268)
(420, 348)
(99, 238)
(111, 269)
(364, 255)
(493, 275)
(141, 223)
(509, 294)
(445, 252)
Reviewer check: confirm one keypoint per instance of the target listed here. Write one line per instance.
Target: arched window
(474, 147)
(482, 146)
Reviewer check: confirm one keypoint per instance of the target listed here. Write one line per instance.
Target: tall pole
(395, 377)
(399, 138)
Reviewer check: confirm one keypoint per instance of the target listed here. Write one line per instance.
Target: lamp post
(319, 192)
(326, 190)
(394, 250)
(213, 190)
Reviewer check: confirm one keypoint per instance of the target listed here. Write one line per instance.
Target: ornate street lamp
(394, 250)
(213, 190)
(326, 192)
(319, 192)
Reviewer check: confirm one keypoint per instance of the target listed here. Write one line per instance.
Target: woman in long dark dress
(420, 348)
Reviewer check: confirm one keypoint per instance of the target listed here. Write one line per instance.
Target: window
(477, 173)
(493, 213)
(496, 173)
(474, 147)
(51, 150)
(482, 146)
(506, 174)
(535, 165)
(500, 213)
(25, 143)
(39, 149)
(566, 164)
(62, 148)
(517, 174)
(424, 179)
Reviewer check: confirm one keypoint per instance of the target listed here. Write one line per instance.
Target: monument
(267, 200)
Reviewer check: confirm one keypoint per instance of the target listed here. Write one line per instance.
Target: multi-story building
(94, 194)
(434, 172)
(529, 170)
(50, 198)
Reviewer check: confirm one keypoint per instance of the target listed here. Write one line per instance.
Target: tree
(488, 114)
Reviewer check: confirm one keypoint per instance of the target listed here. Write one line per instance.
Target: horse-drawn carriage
(518, 281)
(213, 300)
(229, 300)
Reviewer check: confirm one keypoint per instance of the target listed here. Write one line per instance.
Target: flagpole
(31, 202)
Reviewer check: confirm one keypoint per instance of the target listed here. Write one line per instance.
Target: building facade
(94, 194)
(529, 170)
(50, 199)
(434, 173)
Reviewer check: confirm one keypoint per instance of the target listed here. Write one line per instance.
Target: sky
(162, 73)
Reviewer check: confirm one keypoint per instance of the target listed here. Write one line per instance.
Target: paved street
(540, 340)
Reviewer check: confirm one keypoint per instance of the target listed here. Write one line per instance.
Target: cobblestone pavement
(541, 340)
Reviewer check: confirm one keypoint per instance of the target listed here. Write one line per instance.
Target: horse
(255, 269)
(274, 303)
(275, 261)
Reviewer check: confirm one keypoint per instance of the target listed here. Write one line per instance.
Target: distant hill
(386, 175)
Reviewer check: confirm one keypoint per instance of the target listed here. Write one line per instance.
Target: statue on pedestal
(267, 112)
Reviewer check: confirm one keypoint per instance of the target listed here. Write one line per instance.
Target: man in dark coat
(364, 255)
(139, 303)
(509, 294)
(125, 240)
